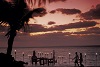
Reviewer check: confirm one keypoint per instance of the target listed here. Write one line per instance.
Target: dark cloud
(92, 13)
(92, 31)
(51, 23)
(74, 25)
(53, 11)
(95, 30)
(39, 12)
(41, 28)
(34, 28)
(66, 11)
(82, 24)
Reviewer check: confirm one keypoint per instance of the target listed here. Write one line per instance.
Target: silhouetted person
(81, 60)
(76, 58)
(34, 58)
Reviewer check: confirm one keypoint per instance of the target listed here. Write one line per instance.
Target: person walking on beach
(81, 60)
(76, 58)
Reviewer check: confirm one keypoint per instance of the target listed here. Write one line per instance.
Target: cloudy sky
(64, 23)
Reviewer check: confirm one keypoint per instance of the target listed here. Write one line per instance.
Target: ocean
(64, 55)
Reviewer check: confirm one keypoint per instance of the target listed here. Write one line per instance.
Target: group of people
(43, 60)
(78, 60)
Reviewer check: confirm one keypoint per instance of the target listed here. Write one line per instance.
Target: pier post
(69, 58)
(85, 59)
(15, 54)
(23, 56)
(96, 58)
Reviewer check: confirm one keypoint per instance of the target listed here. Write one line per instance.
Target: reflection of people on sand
(34, 58)
(76, 58)
(81, 60)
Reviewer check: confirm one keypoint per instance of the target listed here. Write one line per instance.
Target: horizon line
(53, 46)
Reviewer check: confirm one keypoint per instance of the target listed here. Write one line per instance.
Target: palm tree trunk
(11, 35)
(10, 44)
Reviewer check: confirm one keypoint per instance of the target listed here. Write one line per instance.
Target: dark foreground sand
(59, 66)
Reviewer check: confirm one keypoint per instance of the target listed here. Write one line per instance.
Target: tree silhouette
(15, 15)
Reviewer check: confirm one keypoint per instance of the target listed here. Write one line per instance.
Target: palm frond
(38, 3)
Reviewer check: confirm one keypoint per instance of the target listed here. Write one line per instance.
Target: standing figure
(81, 60)
(76, 58)
(34, 58)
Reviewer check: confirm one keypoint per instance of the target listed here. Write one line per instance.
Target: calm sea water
(92, 57)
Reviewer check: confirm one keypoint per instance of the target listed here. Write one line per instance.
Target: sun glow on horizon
(41, 33)
(68, 31)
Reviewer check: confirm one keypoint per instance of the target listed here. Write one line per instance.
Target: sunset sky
(65, 23)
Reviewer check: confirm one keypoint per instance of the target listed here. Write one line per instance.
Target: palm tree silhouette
(16, 15)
